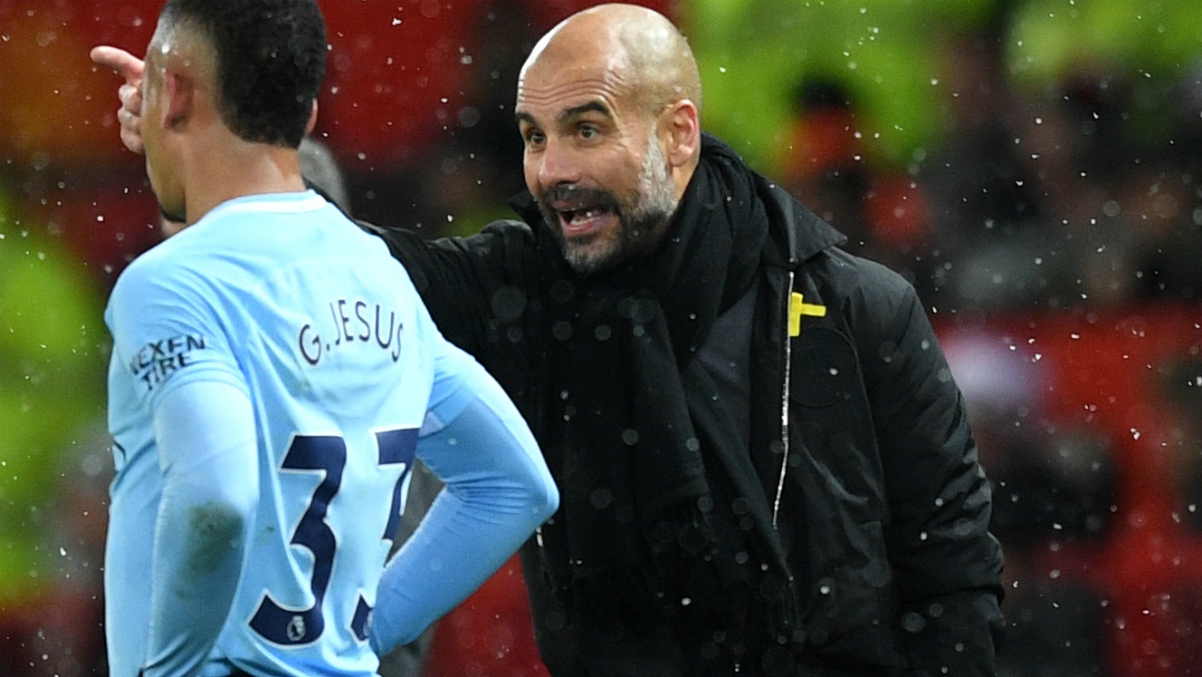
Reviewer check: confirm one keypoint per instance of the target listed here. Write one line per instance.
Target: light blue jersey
(283, 298)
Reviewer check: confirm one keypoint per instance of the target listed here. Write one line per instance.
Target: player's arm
(498, 491)
(197, 402)
(205, 433)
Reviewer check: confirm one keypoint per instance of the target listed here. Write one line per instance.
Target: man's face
(161, 165)
(594, 162)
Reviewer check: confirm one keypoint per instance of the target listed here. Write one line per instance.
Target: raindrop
(913, 622)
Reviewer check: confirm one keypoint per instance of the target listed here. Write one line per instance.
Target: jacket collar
(803, 233)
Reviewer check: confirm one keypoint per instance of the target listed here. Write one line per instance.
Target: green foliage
(754, 55)
(50, 360)
(888, 53)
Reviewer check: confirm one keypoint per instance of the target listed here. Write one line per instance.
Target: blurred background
(1033, 166)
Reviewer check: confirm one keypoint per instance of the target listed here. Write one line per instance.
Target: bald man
(765, 465)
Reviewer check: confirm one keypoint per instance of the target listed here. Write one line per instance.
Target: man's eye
(588, 131)
(534, 137)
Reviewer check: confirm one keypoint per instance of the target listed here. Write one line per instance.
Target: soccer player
(273, 375)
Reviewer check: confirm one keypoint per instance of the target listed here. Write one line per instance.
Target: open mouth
(580, 212)
(575, 220)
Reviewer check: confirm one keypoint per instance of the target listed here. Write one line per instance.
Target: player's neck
(230, 168)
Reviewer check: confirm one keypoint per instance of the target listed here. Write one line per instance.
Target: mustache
(577, 197)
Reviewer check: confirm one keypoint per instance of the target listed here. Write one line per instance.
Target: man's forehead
(555, 91)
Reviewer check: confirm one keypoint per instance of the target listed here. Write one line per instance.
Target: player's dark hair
(270, 57)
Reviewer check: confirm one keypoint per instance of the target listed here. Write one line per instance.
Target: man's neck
(232, 168)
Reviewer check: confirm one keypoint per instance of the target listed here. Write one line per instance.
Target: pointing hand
(129, 115)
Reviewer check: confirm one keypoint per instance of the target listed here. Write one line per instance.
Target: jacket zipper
(784, 408)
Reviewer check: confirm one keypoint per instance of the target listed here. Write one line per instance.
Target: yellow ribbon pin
(797, 308)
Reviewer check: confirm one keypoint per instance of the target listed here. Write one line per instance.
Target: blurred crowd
(1053, 227)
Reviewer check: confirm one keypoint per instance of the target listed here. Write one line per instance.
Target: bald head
(607, 108)
(637, 47)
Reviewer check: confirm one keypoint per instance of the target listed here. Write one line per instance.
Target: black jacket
(881, 515)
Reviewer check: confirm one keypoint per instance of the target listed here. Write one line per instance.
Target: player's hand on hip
(129, 115)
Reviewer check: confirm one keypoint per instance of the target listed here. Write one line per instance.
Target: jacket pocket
(824, 370)
(850, 615)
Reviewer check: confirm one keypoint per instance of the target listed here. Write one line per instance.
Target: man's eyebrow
(568, 113)
(590, 107)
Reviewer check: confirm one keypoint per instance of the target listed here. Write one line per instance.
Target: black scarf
(619, 434)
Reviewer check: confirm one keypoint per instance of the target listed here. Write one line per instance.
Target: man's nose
(557, 166)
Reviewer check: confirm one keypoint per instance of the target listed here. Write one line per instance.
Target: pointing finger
(120, 61)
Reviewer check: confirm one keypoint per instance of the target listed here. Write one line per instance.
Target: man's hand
(129, 115)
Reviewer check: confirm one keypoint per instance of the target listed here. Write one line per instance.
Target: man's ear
(312, 119)
(684, 130)
(178, 93)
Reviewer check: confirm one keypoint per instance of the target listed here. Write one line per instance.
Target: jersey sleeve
(498, 491)
(168, 330)
(453, 374)
(205, 433)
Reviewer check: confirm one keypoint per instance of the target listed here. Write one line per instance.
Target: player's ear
(312, 119)
(178, 98)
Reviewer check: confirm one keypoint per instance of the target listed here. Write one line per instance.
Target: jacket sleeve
(465, 282)
(946, 564)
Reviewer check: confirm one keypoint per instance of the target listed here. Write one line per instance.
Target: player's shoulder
(169, 273)
(149, 268)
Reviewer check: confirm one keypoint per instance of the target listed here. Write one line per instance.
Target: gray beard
(642, 220)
